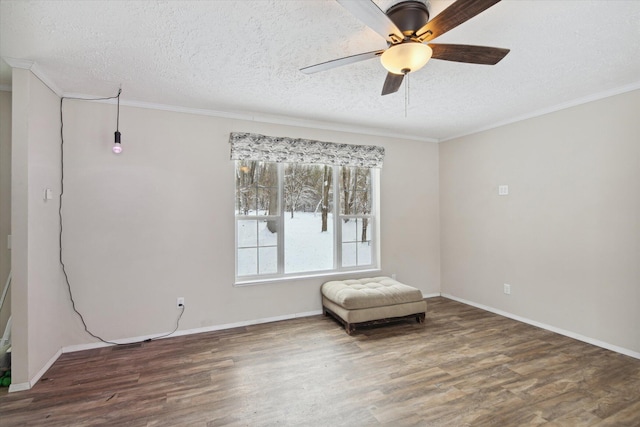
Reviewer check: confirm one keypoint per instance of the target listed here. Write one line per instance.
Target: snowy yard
(306, 248)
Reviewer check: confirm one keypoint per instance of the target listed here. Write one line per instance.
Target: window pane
(303, 187)
(362, 229)
(247, 261)
(256, 188)
(349, 254)
(245, 190)
(268, 188)
(350, 229)
(364, 253)
(308, 218)
(355, 190)
(268, 260)
(247, 233)
(306, 247)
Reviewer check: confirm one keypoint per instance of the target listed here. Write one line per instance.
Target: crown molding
(361, 130)
(558, 107)
(257, 117)
(35, 69)
(248, 116)
(24, 64)
(306, 123)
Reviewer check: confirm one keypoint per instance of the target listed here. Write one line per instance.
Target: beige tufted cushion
(371, 292)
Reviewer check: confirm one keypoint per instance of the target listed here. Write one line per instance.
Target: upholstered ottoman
(360, 302)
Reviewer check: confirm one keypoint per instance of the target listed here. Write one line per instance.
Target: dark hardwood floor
(462, 367)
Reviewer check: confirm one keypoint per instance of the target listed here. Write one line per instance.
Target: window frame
(373, 228)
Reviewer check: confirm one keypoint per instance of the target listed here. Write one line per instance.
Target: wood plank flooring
(462, 367)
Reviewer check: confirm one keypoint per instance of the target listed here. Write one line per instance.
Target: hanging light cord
(118, 111)
(64, 270)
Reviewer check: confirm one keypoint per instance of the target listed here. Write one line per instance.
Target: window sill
(251, 282)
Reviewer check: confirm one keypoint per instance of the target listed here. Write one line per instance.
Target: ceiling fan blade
(467, 53)
(459, 12)
(392, 83)
(324, 66)
(370, 14)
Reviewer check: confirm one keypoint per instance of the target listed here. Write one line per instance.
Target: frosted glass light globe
(117, 148)
(406, 57)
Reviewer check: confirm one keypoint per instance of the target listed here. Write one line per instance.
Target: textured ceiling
(244, 57)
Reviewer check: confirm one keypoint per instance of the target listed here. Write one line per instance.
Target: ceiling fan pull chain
(406, 93)
(405, 99)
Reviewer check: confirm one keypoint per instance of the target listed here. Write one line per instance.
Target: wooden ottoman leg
(349, 327)
(420, 317)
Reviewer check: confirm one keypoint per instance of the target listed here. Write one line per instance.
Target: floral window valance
(252, 146)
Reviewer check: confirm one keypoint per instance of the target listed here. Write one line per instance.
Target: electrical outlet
(507, 289)
(180, 302)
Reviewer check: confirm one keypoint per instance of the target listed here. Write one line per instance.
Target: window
(297, 218)
(355, 216)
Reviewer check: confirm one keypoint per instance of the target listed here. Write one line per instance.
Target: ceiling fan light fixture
(409, 56)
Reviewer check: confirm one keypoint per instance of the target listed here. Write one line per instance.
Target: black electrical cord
(118, 111)
(64, 270)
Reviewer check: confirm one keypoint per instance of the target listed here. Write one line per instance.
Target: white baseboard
(37, 376)
(19, 387)
(246, 323)
(90, 346)
(560, 331)
(437, 294)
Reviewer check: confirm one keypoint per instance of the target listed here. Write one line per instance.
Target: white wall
(157, 221)
(567, 238)
(39, 303)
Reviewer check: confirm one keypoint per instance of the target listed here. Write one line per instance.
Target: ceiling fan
(406, 28)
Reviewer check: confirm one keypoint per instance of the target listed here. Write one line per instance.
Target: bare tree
(271, 185)
(327, 177)
(297, 188)
(355, 186)
(346, 188)
(365, 205)
(245, 179)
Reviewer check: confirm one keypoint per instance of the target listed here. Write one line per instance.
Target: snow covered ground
(306, 247)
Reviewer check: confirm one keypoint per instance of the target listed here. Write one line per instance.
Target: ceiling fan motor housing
(409, 16)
